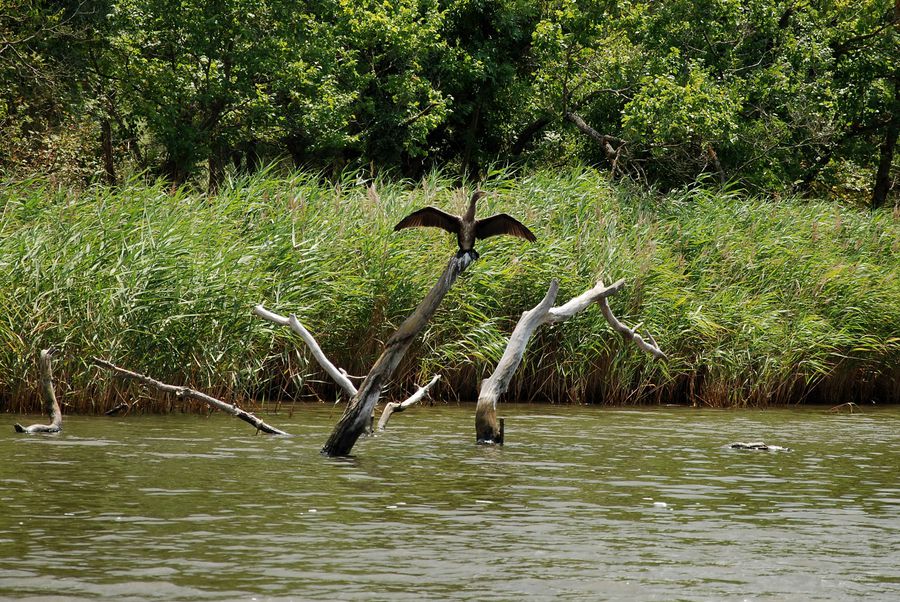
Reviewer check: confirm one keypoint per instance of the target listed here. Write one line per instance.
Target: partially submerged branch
(394, 406)
(340, 376)
(487, 428)
(51, 406)
(191, 393)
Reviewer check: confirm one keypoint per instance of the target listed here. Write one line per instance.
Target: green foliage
(755, 302)
(773, 90)
(776, 96)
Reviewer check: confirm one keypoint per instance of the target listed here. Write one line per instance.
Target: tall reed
(756, 301)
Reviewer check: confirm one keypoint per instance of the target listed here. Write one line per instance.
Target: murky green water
(582, 503)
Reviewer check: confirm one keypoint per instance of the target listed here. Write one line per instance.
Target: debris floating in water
(758, 445)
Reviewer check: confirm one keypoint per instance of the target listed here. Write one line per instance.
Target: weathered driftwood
(401, 406)
(191, 393)
(487, 428)
(357, 415)
(339, 376)
(51, 406)
(849, 407)
(758, 446)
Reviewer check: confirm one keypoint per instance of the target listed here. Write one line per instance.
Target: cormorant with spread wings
(466, 227)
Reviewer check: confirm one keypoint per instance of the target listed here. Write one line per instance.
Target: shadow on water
(582, 503)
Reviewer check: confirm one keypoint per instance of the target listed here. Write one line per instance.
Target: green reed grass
(756, 301)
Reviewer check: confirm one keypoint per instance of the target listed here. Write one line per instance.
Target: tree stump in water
(487, 427)
(51, 406)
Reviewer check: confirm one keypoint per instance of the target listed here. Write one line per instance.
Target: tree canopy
(778, 95)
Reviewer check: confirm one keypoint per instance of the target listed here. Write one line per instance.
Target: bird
(465, 226)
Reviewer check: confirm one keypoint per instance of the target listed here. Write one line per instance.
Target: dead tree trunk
(487, 427)
(51, 406)
(186, 392)
(356, 417)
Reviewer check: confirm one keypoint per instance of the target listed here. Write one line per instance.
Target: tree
(199, 73)
(39, 99)
(767, 93)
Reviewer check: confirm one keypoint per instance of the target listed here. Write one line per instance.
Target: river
(582, 503)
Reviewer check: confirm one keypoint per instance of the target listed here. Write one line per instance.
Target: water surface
(583, 503)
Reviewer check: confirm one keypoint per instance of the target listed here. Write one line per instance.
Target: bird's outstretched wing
(430, 217)
(502, 224)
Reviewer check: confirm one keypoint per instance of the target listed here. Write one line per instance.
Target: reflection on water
(582, 503)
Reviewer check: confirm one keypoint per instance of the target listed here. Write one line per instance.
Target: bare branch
(339, 376)
(630, 334)
(186, 392)
(394, 406)
(605, 141)
(579, 303)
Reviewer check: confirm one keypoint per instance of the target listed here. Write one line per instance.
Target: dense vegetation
(134, 223)
(777, 95)
(756, 301)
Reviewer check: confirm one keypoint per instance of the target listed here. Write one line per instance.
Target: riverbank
(756, 301)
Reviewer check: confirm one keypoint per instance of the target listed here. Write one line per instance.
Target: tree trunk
(51, 406)
(109, 165)
(470, 167)
(883, 179)
(488, 429)
(175, 170)
(713, 159)
(357, 416)
(216, 162)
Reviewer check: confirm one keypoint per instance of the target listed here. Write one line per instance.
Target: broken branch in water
(394, 406)
(51, 406)
(191, 393)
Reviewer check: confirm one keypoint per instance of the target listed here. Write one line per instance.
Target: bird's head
(477, 196)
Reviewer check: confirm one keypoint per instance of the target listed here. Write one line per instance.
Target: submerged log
(229, 408)
(758, 446)
(356, 417)
(396, 407)
(487, 428)
(51, 406)
(122, 407)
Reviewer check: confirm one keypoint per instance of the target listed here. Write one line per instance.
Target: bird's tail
(464, 258)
